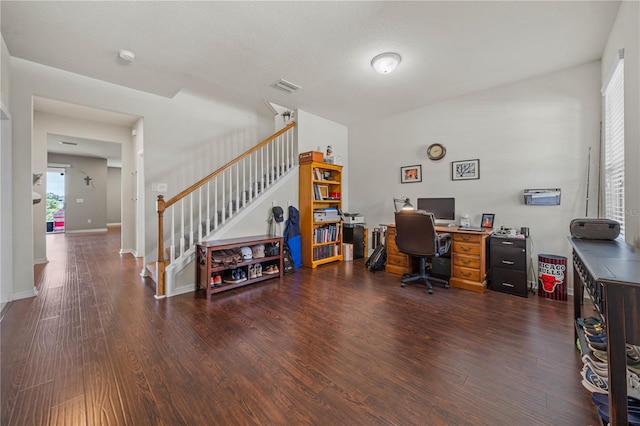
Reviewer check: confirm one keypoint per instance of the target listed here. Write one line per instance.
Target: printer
(329, 214)
(353, 219)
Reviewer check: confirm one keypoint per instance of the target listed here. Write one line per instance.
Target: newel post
(160, 206)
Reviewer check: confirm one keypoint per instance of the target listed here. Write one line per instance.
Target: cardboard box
(347, 251)
(310, 156)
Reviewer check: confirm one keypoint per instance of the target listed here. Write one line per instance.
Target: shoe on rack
(588, 321)
(632, 418)
(594, 331)
(252, 272)
(241, 274)
(596, 367)
(276, 270)
(600, 338)
(603, 399)
(601, 355)
(593, 382)
(217, 279)
(597, 346)
(633, 384)
(258, 270)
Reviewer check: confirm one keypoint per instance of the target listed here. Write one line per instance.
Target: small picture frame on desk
(487, 220)
(410, 174)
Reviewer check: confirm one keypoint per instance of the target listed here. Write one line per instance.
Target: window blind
(614, 145)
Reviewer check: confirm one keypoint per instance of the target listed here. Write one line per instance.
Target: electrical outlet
(274, 203)
(88, 220)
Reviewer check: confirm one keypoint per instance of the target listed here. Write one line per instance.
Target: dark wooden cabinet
(354, 234)
(508, 259)
(610, 272)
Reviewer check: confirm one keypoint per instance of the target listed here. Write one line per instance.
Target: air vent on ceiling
(68, 143)
(286, 86)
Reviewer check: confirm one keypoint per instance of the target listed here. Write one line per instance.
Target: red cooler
(552, 277)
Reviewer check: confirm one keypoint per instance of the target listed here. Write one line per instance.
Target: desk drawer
(467, 238)
(466, 273)
(466, 248)
(466, 261)
(393, 250)
(402, 260)
(509, 258)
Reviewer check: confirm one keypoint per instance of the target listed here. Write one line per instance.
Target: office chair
(416, 236)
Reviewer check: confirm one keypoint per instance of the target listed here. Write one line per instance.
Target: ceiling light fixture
(384, 63)
(126, 55)
(286, 86)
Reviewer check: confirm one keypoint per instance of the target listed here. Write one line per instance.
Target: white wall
(114, 195)
(530, 134)
(6, 211)
(626, 34)
(315, 133)
(45, 123)
(190, 136)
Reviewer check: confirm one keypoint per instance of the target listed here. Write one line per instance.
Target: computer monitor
(443, 209)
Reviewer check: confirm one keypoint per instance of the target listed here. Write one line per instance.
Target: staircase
(201, 210)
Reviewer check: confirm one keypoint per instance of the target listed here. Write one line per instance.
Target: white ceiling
(234, 51)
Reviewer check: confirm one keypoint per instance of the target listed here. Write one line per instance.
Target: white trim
(127, 251)
(84, 231)
(612, 70)
(40, 261)
(114, 224)
(25, 294)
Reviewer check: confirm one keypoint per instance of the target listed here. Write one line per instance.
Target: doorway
(55, 200)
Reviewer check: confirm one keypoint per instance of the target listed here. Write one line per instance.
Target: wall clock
(436, 151)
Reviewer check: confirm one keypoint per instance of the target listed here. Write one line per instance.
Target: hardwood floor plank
(333, 345)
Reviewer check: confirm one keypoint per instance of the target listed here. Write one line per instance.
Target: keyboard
(471, 228)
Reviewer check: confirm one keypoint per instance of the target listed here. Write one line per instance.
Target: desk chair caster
(424, 277)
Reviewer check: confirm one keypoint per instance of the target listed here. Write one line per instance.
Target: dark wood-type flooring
(333, 346)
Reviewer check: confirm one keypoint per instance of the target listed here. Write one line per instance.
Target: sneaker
(603, 399)
(252, 272)
(271, 270)
(632, 418)
(593, 382)
(259, 270)
(601, 355)
(276, 270)
(633, 384)
(600, 338)
(217, 279)
(588, 321)
(241, 275)
(597, 346)
(587, 358)
(598, 369)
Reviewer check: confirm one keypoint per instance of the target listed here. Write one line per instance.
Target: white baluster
(208, 207)
(181, 227)
(215, 203)
(224, 212)
(172, 252)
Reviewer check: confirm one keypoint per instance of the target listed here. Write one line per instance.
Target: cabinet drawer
(402, 260)
(467, 238)
(393, 250)
(509, 257)
(466, 248)
(466, 273)
(509, 281)
(508, 242)
(466, 261)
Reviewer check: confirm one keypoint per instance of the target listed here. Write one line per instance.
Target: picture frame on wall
(465, 170)
(410, 174)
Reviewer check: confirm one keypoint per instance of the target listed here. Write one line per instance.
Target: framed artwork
(487, 220)
(465, 170)
(324, 191)
(409, 174)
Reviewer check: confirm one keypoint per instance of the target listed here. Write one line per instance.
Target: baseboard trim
(114, 224)
(25, 294)
(40, 261)
(84, 231)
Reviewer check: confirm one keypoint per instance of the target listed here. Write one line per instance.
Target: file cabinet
(508, 259)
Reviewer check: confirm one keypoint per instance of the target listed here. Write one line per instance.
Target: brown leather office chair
(416, 236)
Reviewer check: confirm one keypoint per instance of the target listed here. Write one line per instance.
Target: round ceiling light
(384, 63)
(126, 55)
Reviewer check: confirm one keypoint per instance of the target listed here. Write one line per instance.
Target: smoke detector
(126, 55)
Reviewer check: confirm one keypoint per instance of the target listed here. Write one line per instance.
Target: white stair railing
(226, 192)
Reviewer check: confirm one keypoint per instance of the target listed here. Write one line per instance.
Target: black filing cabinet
(354, 234)
(508, 257)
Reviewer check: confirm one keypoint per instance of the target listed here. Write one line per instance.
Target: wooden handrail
(205, 179)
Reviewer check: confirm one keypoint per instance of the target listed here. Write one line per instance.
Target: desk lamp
(405, 206)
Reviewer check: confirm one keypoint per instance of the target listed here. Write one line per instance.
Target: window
(614, 144)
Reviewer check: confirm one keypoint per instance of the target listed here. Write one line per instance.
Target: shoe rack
(608, 271)
(214, 278)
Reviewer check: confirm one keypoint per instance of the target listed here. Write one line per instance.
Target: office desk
(468, 257)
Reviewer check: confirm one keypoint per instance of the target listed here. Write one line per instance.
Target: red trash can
(552, 276)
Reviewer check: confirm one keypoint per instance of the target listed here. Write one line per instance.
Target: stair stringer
(181, 275)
